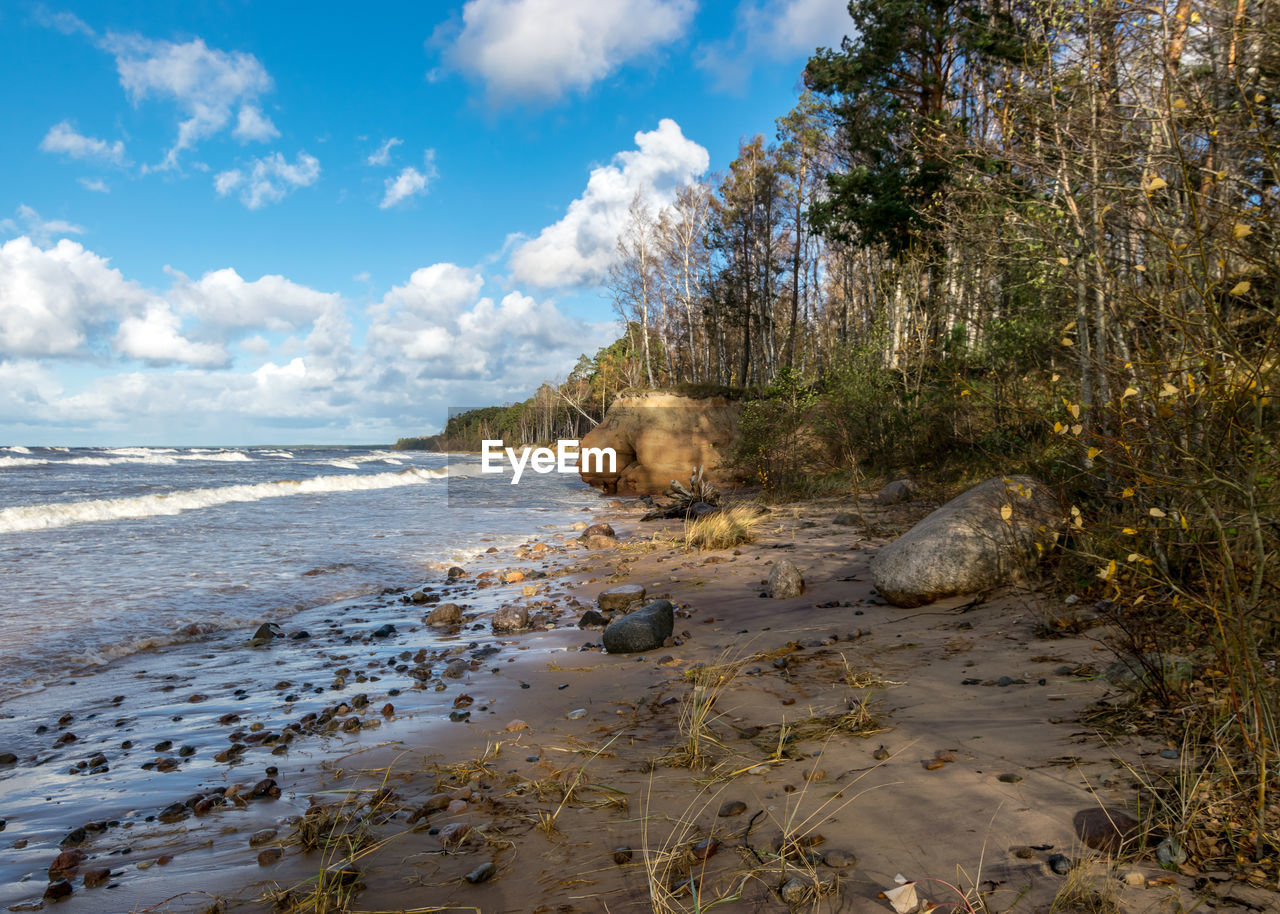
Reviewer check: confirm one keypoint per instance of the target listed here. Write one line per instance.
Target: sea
(106, 552)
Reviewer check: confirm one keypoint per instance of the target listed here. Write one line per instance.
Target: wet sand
(849, 742)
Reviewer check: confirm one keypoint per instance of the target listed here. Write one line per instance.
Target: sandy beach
(843, 742)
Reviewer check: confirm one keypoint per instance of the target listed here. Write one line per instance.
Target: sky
(226, 222)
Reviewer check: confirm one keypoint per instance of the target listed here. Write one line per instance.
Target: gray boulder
(510, 618)
(600, 542)
(620, 597)
(598, 530)
(785, 581)
(445, 614)
(643, 630)
(895, 492)
(266, 633)
(992, 534)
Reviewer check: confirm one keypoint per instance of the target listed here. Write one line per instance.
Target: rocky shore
(602, 720)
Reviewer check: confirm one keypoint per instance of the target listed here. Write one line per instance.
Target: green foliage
(777, 444)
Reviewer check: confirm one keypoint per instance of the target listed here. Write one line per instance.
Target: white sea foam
(223, 456)
(43, 517)
(18, 449)
(343, 464)
(285, 455)
(6, 462)
(139, 451)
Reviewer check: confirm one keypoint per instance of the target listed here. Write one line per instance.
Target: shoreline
(150, 731)
(844, 741)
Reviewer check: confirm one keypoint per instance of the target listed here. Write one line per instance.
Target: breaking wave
(44, 517)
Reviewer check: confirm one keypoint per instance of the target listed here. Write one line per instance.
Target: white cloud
(540, 49)
(269, 179)
(37, 229)
(63, 139)
(156, 337)
(437, 292)
(775, 29)
(64, 22)
(206, 84)
(53, 301)
(579, 249)
(254, 126)
(224, 299)
(97, 185)
(410, 182)
(382, 155)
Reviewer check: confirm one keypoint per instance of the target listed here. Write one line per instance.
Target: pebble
(1060, 864)
(269, 855)
(836, 858)
(794, 892)
(96, 878)
(880, 754)
(58, 890)
(261, 837)
(732, 808)
(1169, 753)
(622, 855)
(483, 873)
(1022, 852)
(705, 849)
(1009, 778)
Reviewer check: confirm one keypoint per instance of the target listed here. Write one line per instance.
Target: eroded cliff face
(659, 437)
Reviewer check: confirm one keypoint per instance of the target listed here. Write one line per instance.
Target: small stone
(510, 618)
(794, 892)
(837, 859)
(516, 725)
(1169, 853)
(269, 855)
(66, 863)
(456, 669)
(96, 878)
(8, 758)
(456, 807)
(1169, 754)
(620, 598)
(705, 849)
(58, 890)
(261, 837)
(445, 614)
(265, 788)
(483, 873)
(459, 716)
(934, 764)
(785, 581)
(880, 754)
(1009, 778)
(1022, 852)
(732, 808)
(621, 855)
(1059, 864)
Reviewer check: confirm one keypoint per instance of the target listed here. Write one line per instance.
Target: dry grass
(1087, 890)
(707, 684)
(724, 529)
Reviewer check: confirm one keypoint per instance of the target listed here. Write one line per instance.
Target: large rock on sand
(643, 630)
(659, 437)
(969, 544)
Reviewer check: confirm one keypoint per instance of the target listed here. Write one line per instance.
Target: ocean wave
(138, 451)
(284, 455)
(18, 449)
(154, 460)
(223, 456)
(343, 464)
(44, 517)
(22, 462)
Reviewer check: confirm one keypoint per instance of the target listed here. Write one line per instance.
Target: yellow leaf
(1140, 268)
(1077, 429)
(1006, 512)
(1107, 572)
(965, 393)
(1127, 493)
(1168, 390)
(1133, 557)
(1183, 519)
(1093, 452)
(1064, 262)
(1129, 531)
(1156, 184)
(1071, 326)
(1156, 512)
(1129, 392)
(1259, 98)
(1075, 512)
(1067, 342)
(1179, 103)
(1058, 428)
(1241, 288)
(1054, 379)
(1074, 409)
(1241, 230)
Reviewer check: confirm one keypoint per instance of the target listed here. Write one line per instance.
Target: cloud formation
(382, 155)
(206, 85)
(410, 182)
(64, 139)
(540, 49)
(268, 179)
(579, 249)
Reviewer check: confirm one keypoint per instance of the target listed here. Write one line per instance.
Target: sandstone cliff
(661, 436)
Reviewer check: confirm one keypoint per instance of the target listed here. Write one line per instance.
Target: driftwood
(698, 498)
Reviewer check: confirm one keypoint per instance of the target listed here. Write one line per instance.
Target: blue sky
(235, 223)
